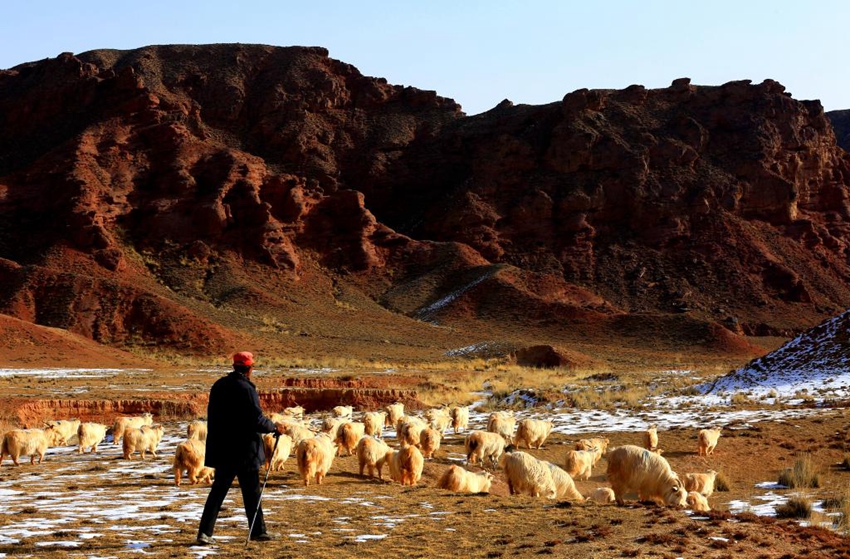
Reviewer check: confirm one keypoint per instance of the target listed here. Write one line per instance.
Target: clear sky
(480, 52)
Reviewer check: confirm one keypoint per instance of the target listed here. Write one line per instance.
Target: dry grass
(739, 399)
(721, 482)
(804, 473)
(796, 507)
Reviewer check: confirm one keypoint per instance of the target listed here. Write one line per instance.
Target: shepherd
(235, 423)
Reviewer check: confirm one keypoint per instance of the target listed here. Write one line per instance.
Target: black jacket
(234, 424)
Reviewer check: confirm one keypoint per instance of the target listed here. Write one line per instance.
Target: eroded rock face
(118, 169)
(841, 124)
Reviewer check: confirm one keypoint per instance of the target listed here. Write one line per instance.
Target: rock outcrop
(195, 197)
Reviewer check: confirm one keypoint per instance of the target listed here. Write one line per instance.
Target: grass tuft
(796, 507)
(804, 473)
(721, 482)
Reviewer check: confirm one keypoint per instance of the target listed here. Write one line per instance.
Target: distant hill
(196, 198)
(841, 123)
(815, 362)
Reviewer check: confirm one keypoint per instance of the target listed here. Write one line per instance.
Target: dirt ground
(103, 506)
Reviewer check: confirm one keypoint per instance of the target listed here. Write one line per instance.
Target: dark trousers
(249, 482)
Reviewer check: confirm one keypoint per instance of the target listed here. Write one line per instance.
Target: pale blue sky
(480, 52)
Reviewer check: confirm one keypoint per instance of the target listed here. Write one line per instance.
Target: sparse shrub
(804, 473)
(721, 482)
(846, 462)
(739, 399)
(796, 507)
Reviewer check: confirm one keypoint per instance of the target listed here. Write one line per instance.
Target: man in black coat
(235, 423)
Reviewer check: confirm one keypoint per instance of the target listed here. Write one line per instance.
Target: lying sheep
(281, 453)
(526, 474)
(123, 423)
(707, 441)
(374, 422)
(142, 440)
(348, 435)
(294, 412)
(460, 480)
(315, 457)
(90, 435)
(701, 483)
(600, 444)
(460, 418)
(503, 423)
(632, 468)
(482, 444)
(579, 463)
(429, 442)
(189, 456)
(650, 438)
(406, 465)
(697, 502)
(602, 495)
(28, 442)
(371, 455)
(394, 413)
(197, 430)
(343, 412)
(66, 428)
(532, 432)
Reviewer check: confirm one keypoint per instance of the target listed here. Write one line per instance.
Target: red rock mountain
(195, 198)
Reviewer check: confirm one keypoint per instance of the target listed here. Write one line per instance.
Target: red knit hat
(245, 358)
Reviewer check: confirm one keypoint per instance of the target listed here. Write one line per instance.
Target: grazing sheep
(331, 425)
(394, 413)
(483, 444)
(348, 435)
(142, 440)
(123, 423)
(90, 434)
(503, 423)
(579, 463)
(197, 430)
(632, 468)
(189, 456)
(697, 502)
(28, 442)
(532, 432)
(439, 419)
(526, 474)
(297, 432)
(600, 444)
(650, 438)
(460, 418)
(565, 487)
(66, 428)
(344, 412)
(315, 457)
(284, 448)
(371, 454)
(460, 480)
(707, 441)
(374, 422)
(408, 430)
(429, 442)
(701, 483)
(406, 465)
(602, 495)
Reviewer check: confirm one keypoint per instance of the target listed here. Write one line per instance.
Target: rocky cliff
(199, 197)
(841, 124)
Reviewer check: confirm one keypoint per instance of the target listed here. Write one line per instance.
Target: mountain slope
(195, 198)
